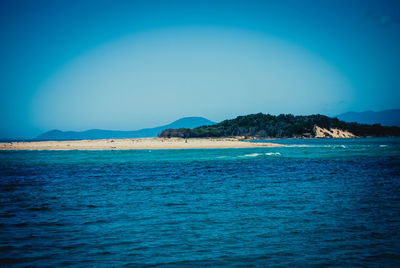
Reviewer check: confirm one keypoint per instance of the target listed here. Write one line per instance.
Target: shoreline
(136, 144)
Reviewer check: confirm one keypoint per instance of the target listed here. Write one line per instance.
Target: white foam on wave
(277, 153)
(383, 145)
(317, 146)
(259, 154)
(250, 155)
(333, 146)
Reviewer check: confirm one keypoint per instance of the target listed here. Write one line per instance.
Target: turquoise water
(313, 203)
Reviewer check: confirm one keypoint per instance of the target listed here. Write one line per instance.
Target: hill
(186, 122)
(385, 118)
(283, 126)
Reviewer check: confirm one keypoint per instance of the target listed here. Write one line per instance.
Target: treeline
(281, 126)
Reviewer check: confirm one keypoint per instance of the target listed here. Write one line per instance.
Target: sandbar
(137, 143)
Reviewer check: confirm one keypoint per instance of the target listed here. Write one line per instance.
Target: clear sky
(126, 65)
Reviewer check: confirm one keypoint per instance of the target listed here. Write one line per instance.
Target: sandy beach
(127, 144)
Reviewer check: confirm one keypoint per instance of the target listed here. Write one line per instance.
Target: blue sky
(76, 65)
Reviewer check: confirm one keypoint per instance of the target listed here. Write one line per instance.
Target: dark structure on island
(281, 126)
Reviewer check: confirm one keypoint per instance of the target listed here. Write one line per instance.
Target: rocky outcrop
(332, 133)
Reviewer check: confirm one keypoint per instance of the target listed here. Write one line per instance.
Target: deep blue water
(314, 203)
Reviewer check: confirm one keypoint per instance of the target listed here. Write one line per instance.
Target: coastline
(137, 143)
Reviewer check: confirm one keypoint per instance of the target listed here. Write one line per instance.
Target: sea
(313, 203)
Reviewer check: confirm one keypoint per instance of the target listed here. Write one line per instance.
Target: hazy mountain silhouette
(186, 122)
(385, 118)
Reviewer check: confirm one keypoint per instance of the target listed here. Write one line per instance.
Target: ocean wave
(316, 146)
(259, 154)
(302, 145)
(336, 146)
(277, 153)
(250, 155)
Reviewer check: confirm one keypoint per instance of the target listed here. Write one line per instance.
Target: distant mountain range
(186, 122)
(385, 118)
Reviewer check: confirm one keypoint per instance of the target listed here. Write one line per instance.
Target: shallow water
(313, 203)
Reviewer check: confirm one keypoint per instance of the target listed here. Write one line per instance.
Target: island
(233, 133)
(262, 126)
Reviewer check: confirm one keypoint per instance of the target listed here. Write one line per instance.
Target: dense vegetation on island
(281, 126)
